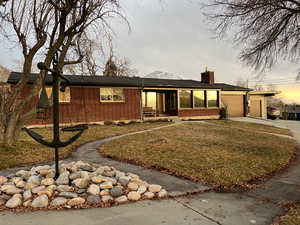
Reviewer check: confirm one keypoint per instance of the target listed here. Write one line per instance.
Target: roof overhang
(265, 93)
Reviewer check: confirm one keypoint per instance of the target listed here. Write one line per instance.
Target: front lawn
(216, 155)
(251, 127)
(292, 218)
(27, 151)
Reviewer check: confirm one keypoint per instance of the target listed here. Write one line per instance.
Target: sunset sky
(174, 36)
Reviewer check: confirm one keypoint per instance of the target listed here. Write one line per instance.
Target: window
(199, 99)
(186, 99)
(111, 95)
(212, 99)
(149, 99)
(64, 97)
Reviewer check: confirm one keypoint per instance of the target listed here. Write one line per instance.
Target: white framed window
(112, 95)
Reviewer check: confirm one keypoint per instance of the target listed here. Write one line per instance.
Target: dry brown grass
(292, 218)
(211, 154)
(251, 126)
(27, 151)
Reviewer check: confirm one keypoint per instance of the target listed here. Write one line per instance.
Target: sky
(174, 37)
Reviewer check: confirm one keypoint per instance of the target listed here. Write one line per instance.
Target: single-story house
(93, 99)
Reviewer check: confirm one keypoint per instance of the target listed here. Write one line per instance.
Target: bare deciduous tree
(267, 30)
(241, 82)
(119, 67)
(52, 30)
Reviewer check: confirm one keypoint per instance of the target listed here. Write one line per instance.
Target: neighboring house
(258, 103)
(91, 99)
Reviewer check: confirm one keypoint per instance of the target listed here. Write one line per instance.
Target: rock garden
(80, 185)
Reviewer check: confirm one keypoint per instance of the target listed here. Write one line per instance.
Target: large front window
(149, 100)
(186, 99)
(212, 99)
(112, 95)
(199, 99)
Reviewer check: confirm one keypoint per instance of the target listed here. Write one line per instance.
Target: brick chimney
(208, 77)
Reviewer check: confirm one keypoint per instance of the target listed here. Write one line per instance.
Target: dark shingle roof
(76, 80)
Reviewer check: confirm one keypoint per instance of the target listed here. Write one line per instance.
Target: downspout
(141, 100)
(247, 98)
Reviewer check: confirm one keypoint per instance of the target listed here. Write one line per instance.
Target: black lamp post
(56, 143)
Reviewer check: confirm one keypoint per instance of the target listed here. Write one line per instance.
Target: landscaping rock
(93, 199)
(162, 194)
(5, 197)
(23, 173)
(47, 181)
(106, 185)
(87, 168)
(124, 181)
(63, 179)
(109, 173)
(10, 189)
(47, 191)
(154, 188)
(14, 202)
(59, 201)
(68, 195)
(16, 180)
(34, 180)
(93, 189)
(121, 199)
(133, 196)
(84, 174)
(98, 179)
(37, 189)
(78, 183)
(75, 175)
(133, 186)
(27, 203)
(27, 195)
(104, 192)
(149, 195)
(76, 201)
(81, 191)
(142, 189)
(99, 171)
(20, 184)
(64, 188)
(119, 174)
(45, 172)
(29, 186)
(116, 192)
(107, 198)
(40, 202)
(81, 182)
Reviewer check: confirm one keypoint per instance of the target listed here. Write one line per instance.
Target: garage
(256, 108)
(235, 105)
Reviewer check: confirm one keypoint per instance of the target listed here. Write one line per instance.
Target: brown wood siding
(198, 112)
(256, 108)
(85, 106)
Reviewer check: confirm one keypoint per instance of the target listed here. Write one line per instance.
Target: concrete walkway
(255, 207)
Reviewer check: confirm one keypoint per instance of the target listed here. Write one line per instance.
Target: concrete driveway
(259, 206)
(294, 126)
